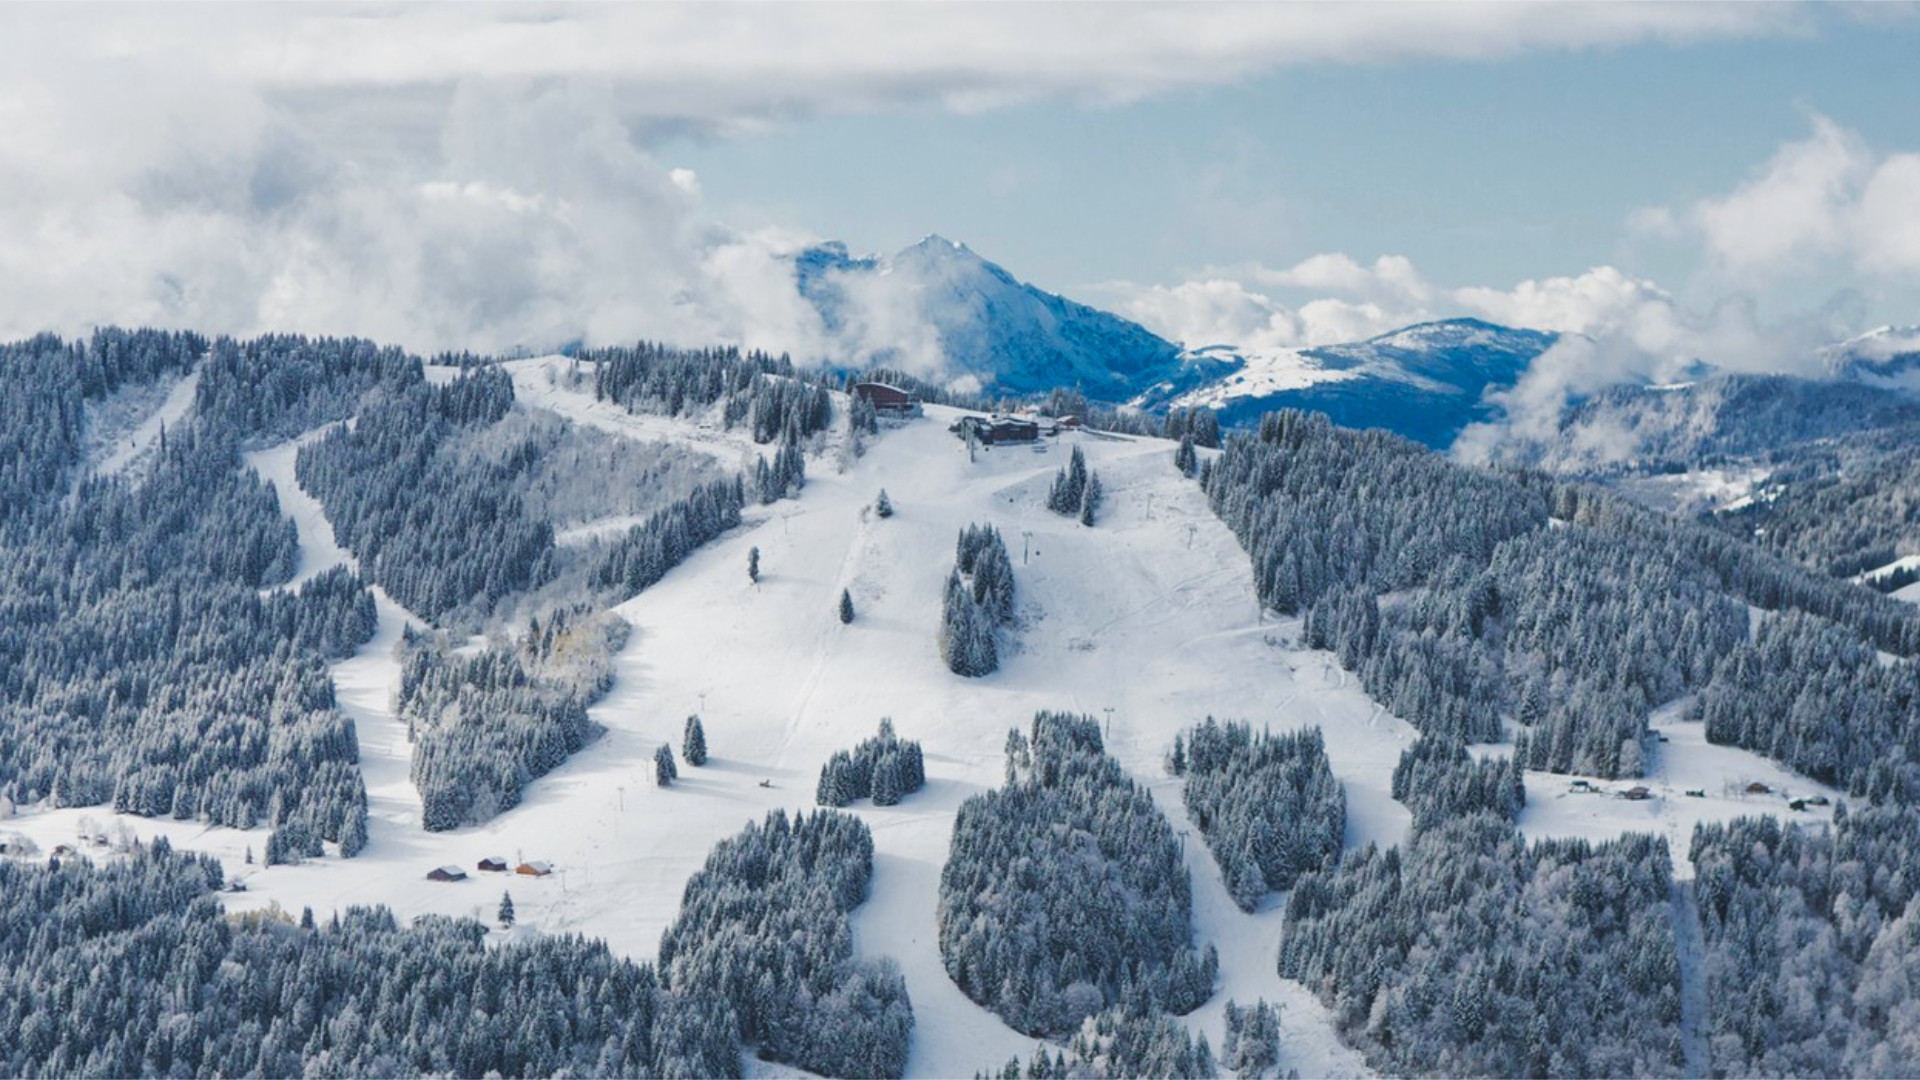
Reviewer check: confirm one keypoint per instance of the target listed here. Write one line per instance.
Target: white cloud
(1829, 198)
(1595, 302)
(686, 180)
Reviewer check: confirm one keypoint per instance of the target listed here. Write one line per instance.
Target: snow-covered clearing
(1683, 762)
(116, 441)
(1262, 373)
(545, 383)
(1698, 491)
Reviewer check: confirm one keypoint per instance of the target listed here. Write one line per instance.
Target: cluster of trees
(1268, 805)
(763, 942)
(885, 767)
(1467, 952)
(1812, 941)
(485, 726)
(274, 387)
(1252, 1043)
(1076, 490)
(1124, 1041)
(1574, 631)
(786, 474)
(766, 393)
(132, 969)
(1201, 426)
(643, 555)
(978, 600)
(1318, 507)
(1064, 891)
(1440, 782)
(444, 533)
(1807, 693)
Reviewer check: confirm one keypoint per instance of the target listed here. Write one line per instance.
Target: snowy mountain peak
(1888, 357)
(972, 319)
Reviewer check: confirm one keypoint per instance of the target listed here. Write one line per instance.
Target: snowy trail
(1249, 947)
(319, 550)
(146, 437)
(1689, 937)
(363, 683)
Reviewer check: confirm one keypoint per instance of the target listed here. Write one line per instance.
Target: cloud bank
(463, 176)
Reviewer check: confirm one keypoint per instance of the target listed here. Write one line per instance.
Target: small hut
(493, 864)
(534, 868)
(446, 873)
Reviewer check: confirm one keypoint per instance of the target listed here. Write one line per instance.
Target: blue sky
(1480, 171)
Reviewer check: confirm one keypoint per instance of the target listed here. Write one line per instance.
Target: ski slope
(1147, 621)
(1142, 614)
(122, 449)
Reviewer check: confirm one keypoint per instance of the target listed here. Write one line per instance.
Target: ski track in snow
(1151, 614)
(1689, 943)
(143, 439)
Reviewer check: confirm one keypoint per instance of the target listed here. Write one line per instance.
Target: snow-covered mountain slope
(1012, 337)
(1887, 357)
(1425, 382)
(1714, 418)
(1151, 614)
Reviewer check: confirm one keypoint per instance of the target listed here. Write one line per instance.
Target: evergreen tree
(665, 772)
(883, 506)
(1089, 499)
(753, 565)
(694, 746)
(506, 909)
(1186, 459)
(846, 606)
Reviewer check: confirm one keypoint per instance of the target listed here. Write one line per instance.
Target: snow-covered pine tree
(753, 565)
(1186, 459)
(1090, 499)
(665, 772)
(694, 746)
(506, 909)
(846, 606)
(883, 506)
(1069, 484)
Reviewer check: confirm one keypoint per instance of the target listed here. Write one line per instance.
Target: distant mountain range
(1426, 381)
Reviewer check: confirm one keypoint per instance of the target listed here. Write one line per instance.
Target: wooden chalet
(534, 868)
(493, 864)
(446, 873)
(886, 398)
